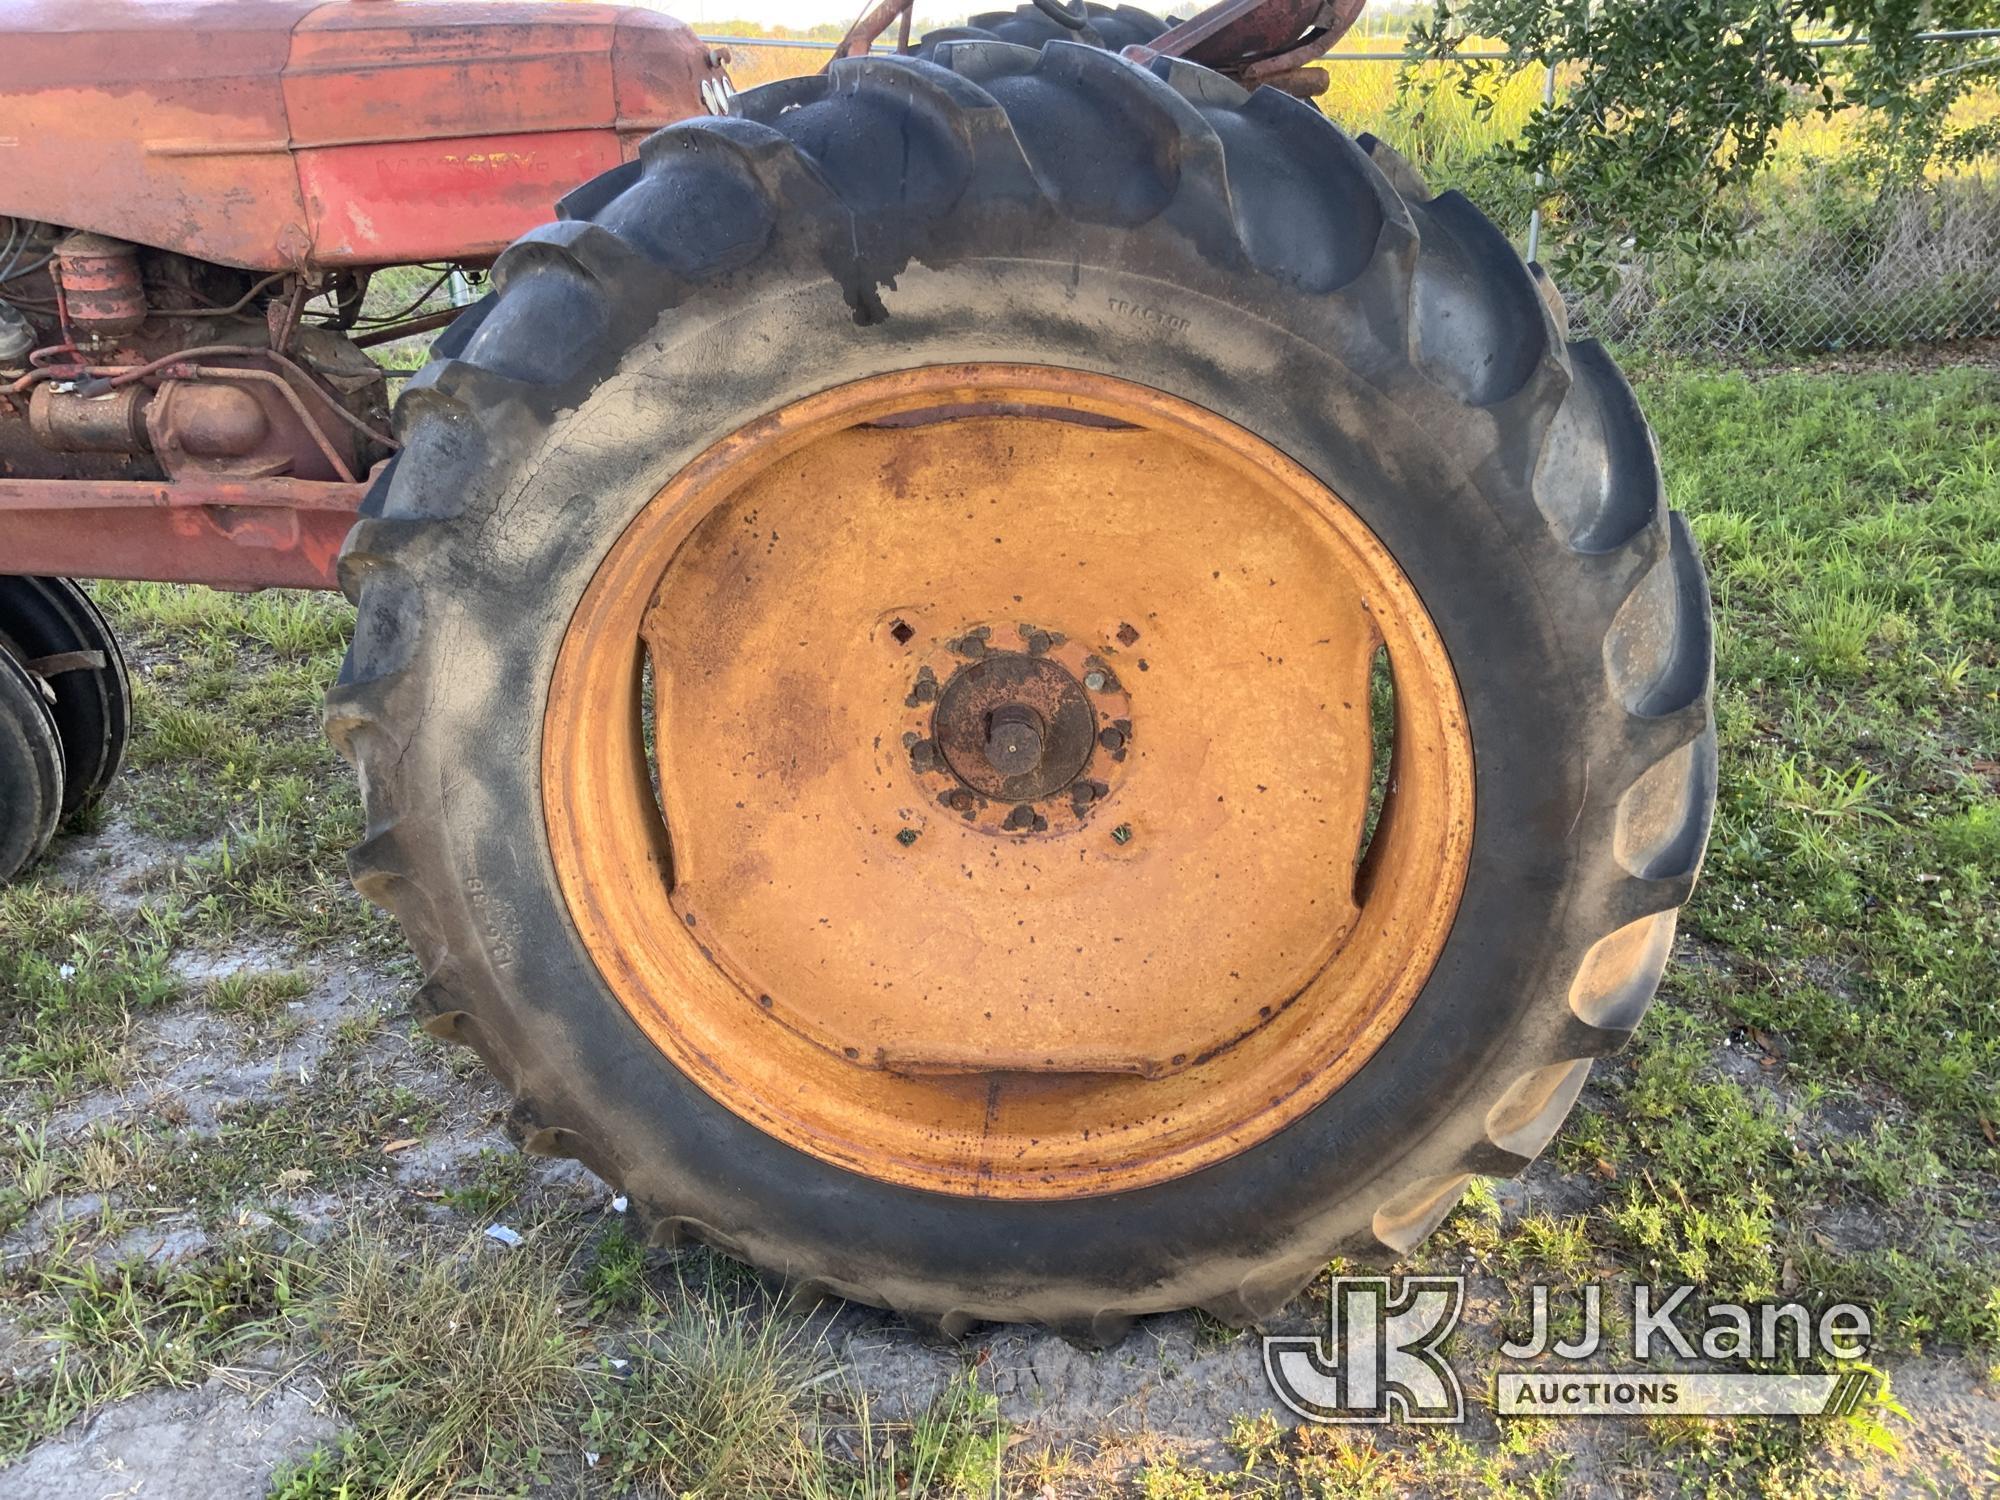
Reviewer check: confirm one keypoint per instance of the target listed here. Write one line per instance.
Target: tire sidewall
(31, 776)
(93, 705)
(520, 555)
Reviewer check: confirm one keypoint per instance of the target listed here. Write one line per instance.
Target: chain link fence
(1822, 258)
(1821, 265)
(1820, 261)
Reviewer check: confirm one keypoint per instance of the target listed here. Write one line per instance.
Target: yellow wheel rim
(1000, 823)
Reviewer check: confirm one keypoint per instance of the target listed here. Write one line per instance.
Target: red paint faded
(289, 133)
(227, 533)
(400, 201)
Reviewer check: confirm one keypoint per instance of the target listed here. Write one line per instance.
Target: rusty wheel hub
(1015, 727)
(996, 865)
(1026, 733)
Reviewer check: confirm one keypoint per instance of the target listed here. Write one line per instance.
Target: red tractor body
(193, 199)
(294, 134)
(195, 195)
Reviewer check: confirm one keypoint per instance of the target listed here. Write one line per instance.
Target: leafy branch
(1669, 108)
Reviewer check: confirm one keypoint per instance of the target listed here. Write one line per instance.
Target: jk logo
(1380, 1359)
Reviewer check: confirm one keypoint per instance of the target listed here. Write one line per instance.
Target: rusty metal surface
(1299, 82)
(304, 431)
(959, 716)
(841, 957)
(190, 421)
(232, 534)
(871, 23)
(1254, 41)
(102, 295)
(1233, 36)
(1019, 730)
(68, 423)
(303, 448)
(274, 133)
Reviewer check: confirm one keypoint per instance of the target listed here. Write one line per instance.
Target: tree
(1669, 107)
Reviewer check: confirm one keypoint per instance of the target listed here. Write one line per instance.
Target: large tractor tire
(1027, 689)
(53, 624)
(1110, 26)
(31, 769)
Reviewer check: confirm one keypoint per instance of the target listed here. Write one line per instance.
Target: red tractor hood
(274, 133)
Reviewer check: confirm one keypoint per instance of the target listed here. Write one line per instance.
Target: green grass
(498, 1180)
(228, 691)
(71, 981)
(956, 1446)
(1830, 1044)
(1852, 875)
(1843, 948)
(130, 1327)
(1825, 1055)
(465, 1368)
(456, 1365)
(716, 1402)
(258, 997)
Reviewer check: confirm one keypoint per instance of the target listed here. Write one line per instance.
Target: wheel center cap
(1014, 738)
(1014, 727)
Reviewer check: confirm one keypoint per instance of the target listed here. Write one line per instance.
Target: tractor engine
(122, 362)
(194, 202)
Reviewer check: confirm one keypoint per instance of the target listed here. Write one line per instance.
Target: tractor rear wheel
(31, 772)
(53, 625)
(1112, 27)
(1024, 688)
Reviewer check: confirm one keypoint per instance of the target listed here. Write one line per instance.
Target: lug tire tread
(1427, 302)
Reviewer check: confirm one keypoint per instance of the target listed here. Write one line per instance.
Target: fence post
(1535, 214)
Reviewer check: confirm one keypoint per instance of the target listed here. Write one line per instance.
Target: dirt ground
(1175, 1389)
(248, 1210)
